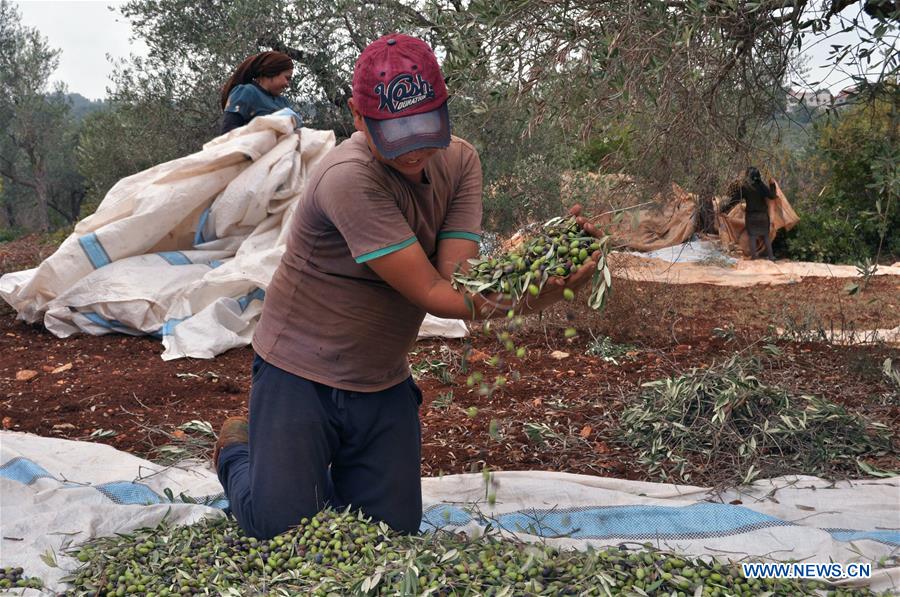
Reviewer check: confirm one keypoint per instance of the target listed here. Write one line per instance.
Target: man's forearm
(442, 300)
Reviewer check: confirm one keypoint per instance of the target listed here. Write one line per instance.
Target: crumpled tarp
(60, 492)
(185, 250)
(668, 221)
(733, 232)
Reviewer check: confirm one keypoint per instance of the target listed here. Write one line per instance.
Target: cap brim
(396, 136)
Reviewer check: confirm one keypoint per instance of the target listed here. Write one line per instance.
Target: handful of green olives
(558, 248)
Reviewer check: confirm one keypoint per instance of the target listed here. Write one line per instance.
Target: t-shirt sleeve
(243, 100)
(463, 219)
(363, 211)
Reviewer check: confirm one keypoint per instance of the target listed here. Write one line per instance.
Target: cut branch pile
(725, 419)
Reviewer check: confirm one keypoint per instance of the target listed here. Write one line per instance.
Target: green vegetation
(852, 210)
(725, 419)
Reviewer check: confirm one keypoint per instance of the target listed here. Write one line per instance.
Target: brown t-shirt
(327, 316)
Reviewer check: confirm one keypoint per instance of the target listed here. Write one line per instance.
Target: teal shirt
(250, 101)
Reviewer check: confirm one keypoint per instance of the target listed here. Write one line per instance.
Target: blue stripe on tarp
(219, 501)
(127, 493)
(888, 537)
(102, 321)
(198, 235)
(168, 328)
(244, 301)
(94, 250)
(27, 472)
(635, 523)
(175, 257)
(215, 263)
(23, 470)
(443, 515)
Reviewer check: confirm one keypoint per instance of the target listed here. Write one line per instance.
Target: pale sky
(86, 31)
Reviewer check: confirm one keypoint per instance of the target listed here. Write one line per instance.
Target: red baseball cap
(399, 89)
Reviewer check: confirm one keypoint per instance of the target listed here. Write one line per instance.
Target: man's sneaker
(235, 430)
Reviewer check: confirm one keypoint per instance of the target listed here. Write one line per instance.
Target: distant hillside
(82, 106)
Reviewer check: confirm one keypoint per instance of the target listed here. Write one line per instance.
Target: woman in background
(255, 88)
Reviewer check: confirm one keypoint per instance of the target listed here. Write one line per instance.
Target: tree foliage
(853, 212)
(37, 143)
(663, 91)
(692, 81)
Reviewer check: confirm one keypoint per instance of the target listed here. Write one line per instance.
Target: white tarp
(186, 249)
(57, 492)
(699, 262)
(706, 251)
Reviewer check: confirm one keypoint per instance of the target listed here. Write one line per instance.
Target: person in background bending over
(387, 217)
(255, 88)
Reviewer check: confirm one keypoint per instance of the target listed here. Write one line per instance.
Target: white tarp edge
(57, 492)
(701, 262)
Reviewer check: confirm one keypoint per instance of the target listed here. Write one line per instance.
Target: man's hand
(584, 223)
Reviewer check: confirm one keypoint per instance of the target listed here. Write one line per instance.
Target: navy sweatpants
(313, 446)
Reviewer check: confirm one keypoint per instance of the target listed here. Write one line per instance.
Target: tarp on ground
(717, 268)
(59, 492)
(671, 221)
(185, 250)
(704, 251)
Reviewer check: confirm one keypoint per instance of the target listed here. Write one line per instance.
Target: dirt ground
(559, 409)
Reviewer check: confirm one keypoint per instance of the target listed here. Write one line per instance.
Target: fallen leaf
(585, 431)
(601, 447)
(63, 426)
(537, 401)
(559, 355)
(735, 502)
(47, 368)
(25, 375)
(7, 422)
(682, 348)
(178, 433)
(476, 356)
(62, 368)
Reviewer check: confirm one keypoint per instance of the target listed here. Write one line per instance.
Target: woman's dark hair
(264, 64)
